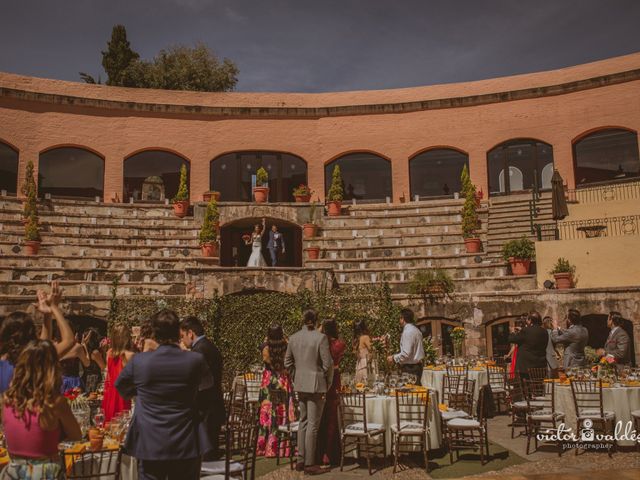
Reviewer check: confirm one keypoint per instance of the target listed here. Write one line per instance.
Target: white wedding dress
(256, 259)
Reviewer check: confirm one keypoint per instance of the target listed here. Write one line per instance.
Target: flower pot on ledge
(564, 281)
(473, 245)
(260, 194)
(520, 266)
(207, 196)
(309, 230)
(302, 198)
(335, 208)
(181, 208)
(31, 247)
(313, 253)
(209, 249)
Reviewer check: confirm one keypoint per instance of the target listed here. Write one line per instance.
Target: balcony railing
(599, 227)
(605, 193)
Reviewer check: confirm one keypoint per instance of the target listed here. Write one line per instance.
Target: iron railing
(546, 231)
(600, 227)
(605, 193)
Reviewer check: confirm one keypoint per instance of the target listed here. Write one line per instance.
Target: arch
(365, 175)
(439, 329)
(525, 159)
(231, 174)
(435, 171)
(71, 171)
(142, 164)
(234, 252)
(606, 155)
(497, 335)
(8, 168)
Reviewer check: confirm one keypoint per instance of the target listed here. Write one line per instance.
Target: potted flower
(563, 273)
(302, 193)
(431, 284)
(181, 200)
(206, 196)
(310, 229)
(313, 253)
(470, 220)
(519, 254)
(261, 190)
(336, 193)
(458, 335)
(209, 230)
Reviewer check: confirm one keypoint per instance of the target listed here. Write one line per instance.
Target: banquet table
(382, 409)
(621, 400)
(434, 378)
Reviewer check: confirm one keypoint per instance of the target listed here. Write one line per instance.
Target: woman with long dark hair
(329, 433)
(35, 415)
(92, 375)
(274, 377)
(362, 348)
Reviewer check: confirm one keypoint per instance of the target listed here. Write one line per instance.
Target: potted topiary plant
(261, 190)
(470, 221)
(336, 193)
(209, 230)
(29, 190)
(206, 196)
(519, 254)
(563, 273)
(310, 229)
(181, 200)
(302, 193)
(32, 235)
(313, 253)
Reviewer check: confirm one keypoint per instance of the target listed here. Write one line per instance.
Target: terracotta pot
(206, 196)
(335, 208)
(302, 198)
(313, 253)
(96, 443)
(519, 266)
(95, 433)
(31, 247)
(209, 249)
(563, 280)
(473, 245)
(260, 194)
(309, 230)
(181, 208)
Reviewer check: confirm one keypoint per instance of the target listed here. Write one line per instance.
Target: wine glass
(98, 419)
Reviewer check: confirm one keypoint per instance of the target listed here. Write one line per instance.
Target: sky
(325, 45)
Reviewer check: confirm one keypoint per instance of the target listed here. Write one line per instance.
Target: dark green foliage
(183, 189)
(31, 229)
(336, 191)
(209, 230)
(469, 213)
(563, 266)
(118, 56)
(522, 248)
(29, 190)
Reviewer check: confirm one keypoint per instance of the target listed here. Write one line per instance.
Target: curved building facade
(94, 140)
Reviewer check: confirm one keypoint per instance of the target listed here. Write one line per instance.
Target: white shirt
(411, 349)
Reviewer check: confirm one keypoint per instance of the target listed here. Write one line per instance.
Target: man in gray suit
(309, 360)
(574, 340)
(617, 344)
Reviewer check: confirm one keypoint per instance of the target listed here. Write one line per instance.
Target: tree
(183, 189)
(336, 192)
(469, 213)
(209, 230)
(30, 192)
(118, 56)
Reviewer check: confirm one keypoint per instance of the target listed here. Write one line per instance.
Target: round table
(432, 378)
(621, 400)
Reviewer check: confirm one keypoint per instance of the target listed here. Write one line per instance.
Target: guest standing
(309, 359)
(574, 340)
(618, 343)
(92, 375)
(117, 358)
(70, 363)
(411, 349)
(362, 348)
(35, 416)
(532, 345)
(274, 377)
(166, 434)
(211, 398)
(513, 352)
(329, 434)
(552, 354)
(145, 342)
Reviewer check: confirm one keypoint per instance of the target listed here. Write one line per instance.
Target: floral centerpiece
(458, 335)
(302, 193)
(605, 368)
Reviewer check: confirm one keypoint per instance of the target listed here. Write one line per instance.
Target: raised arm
(49, 304)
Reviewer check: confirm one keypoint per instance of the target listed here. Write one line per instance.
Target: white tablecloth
(621, 400)
(435, 379)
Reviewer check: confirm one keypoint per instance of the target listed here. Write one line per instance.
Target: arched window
(606, 155)
(71, 172)
(231, 175)
(152, 175)
(497, 335)
(8, 169)
(528, 163)
(436, 172)
(366, 176)
(439, 329)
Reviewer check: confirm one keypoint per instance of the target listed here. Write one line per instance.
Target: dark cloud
(326, 45)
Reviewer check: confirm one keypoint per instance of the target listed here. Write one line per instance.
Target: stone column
(563, 161)
(198, 178)
(478, 171)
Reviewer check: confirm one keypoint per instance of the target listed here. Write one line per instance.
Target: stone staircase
(392, 243)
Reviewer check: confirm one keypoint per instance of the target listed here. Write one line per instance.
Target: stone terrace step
(346, 251)
(89, 209)
(457, 272)
(127, 263)
(405, 229)
(97, 229)
(47, 274)
(444, 242)
(473, 285)
(79, 288)
(398, 263)
(84, 247)
(420, 207)
(92, 238)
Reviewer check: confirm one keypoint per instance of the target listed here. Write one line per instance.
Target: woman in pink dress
(117, 357)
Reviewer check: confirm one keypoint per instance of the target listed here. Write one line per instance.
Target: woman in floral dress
(274, 377)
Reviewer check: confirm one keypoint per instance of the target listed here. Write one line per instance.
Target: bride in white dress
(256, 259)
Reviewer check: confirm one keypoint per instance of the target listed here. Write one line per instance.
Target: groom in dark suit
(212, 399)
(166, 434)
(275, 245)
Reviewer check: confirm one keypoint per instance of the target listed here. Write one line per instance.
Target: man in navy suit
(166, 434)
(275, 245)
